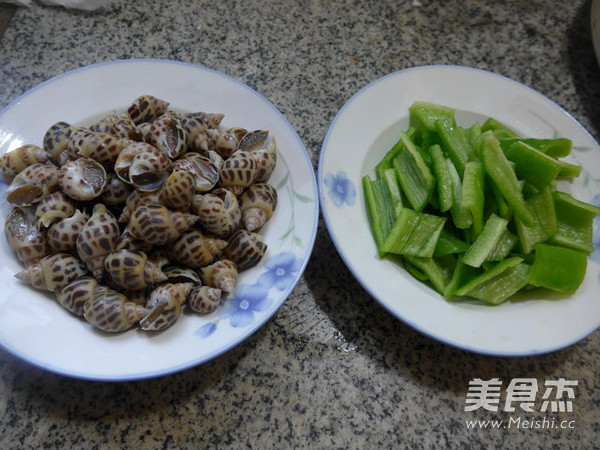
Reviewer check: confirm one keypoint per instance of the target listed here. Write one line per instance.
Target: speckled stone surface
(331, 369)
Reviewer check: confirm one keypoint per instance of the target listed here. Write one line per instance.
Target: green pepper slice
(560, 269)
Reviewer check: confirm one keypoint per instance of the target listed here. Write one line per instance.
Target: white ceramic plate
(35, 328)
(361, 133)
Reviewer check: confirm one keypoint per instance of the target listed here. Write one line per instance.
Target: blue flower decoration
(206, 330)
(341, 189)
(247, 299)
(281, 271)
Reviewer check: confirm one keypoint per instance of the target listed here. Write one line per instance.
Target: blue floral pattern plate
(35, 328)
(369, 124)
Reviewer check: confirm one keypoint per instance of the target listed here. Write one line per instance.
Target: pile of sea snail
(143, 213)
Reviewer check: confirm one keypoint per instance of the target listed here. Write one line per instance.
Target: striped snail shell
(62, 235)
(82, 179)
(111, 311)
(97, 239)
(101, 147)
(158, 225)
(132, 270)
(222, 274)
(178, 190)
(53, 272)
(24, 238)
(165, 302)
(238, 172)
(257, 204)
(14, 161)
(196, 249)
(146, 108)
(245, 249)
(32, 184)
(218, 212)
(56, 140)
(77, 293)
(204, 299)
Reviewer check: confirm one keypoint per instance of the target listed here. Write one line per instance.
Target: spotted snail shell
(135, 200)
(97, 239)
(257, 204)
(52, 208)
(24, 238)
(238, 172)
(204, 299)
(218, 212)
(101, 147)
(14, 161)
(32, 184)
(146, 108)
(116, 191)
(182, 274)
(226, 141)
(126, 157)
(127, 242)
(62, 235)
(149, 169)
(53, 272)
(168, 135)
(204, 169)
(111, 311)
(245, 249)
(56, 140)
(77, 293)
(82, 179)
(158, 225)
(124, 128)
(131, 270)
(222, 274)
(178, 190)
(120, 126)
(166, 302)
(197, 125)
(195, 249)
(261, 145)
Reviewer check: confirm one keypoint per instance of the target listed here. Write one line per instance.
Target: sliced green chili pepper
(414, 175)
(499, 130)
(462, 275)
(503, 176)
(454, 144)
(473, 194)
(557, 147)
(435, 272)
(530, 164)
(568, 170)
(541, 206)
(558, 268)
(498, 283)
(498, 288)
(505, 245)
(380, 209)
(414, 234)
(486, 242)
(574, 221)
(449, 244)
(424, 115)
(442, 177)
(391, 179)
(460, 215)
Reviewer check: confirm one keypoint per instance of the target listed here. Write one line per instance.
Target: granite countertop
(332, 368)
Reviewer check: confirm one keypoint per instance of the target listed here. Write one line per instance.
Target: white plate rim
(329, 212)
(309, 189)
